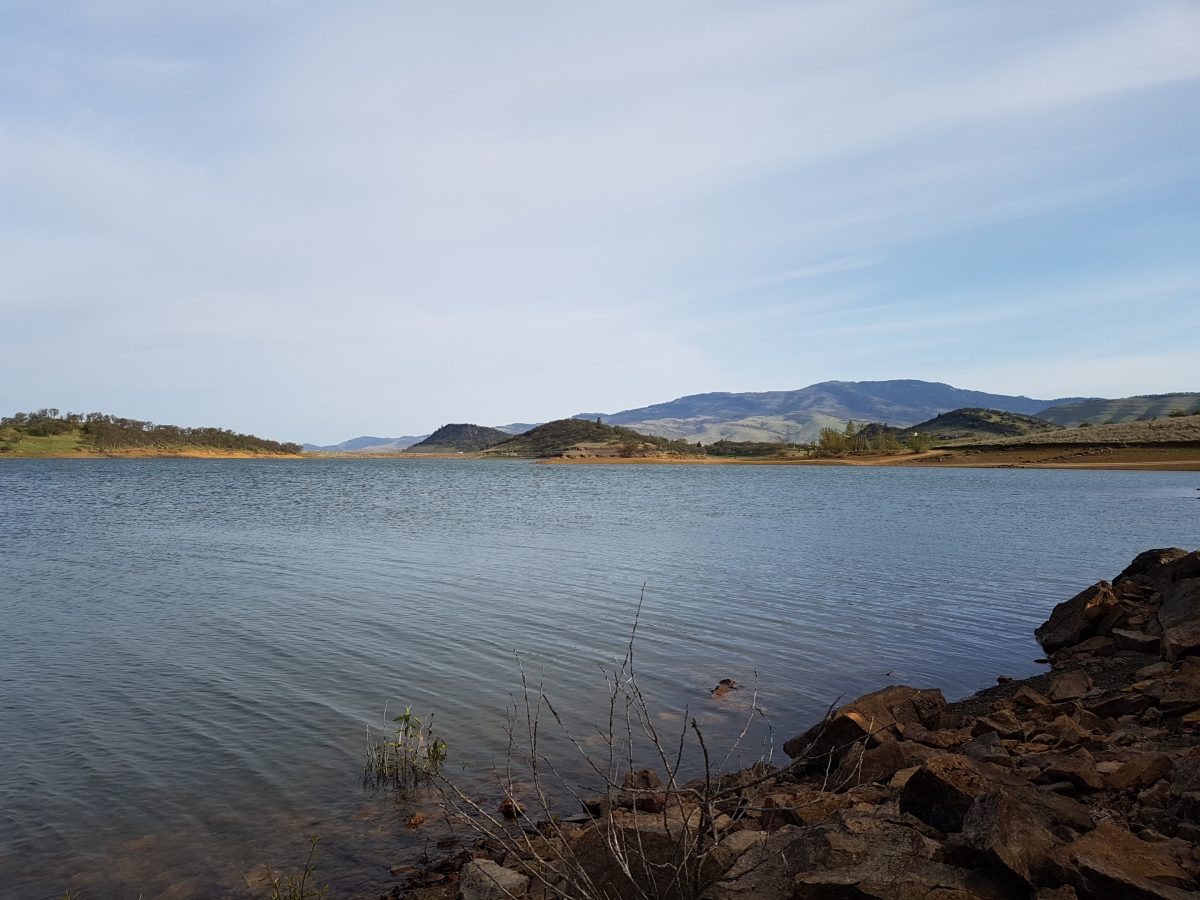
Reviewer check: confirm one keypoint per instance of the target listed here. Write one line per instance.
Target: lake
(192, 649)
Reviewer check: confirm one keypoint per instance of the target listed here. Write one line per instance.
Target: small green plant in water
(296, 887)
(415, 754)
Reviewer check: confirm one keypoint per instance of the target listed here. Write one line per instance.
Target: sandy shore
(1154, 459)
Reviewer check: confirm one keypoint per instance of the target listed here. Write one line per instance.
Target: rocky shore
(1080, 783)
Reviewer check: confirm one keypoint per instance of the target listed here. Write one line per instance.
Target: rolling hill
(973, 423)
(368, 444)
(460, 438)
(800, 415)
(1125, 409)
(583, 437)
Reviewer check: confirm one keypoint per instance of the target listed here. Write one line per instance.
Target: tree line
(107, 432)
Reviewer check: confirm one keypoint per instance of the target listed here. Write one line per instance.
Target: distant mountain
(460, 438)
(966, 424)
(1125, 409)
(518, 427)
(580, 437)
(800, 415)
(367, 443)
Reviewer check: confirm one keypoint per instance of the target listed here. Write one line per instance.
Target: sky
(312, 221)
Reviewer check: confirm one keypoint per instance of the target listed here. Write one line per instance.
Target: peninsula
(47, 433)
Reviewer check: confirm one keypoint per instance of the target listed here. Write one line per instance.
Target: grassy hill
(1170, 430)
(973, 423)
(581, 437)
(46, 432)
(801, 414)
(1125, 409)
(460, 438)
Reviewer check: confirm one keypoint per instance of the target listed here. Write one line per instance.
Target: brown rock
(892, 878)
(643, 790)
(1112, 706)
(872, 718)
(1029, 698)
(942, 791)
(1069, 686)
(1002, 721)
(724, 686)
(1076, 619)
(1065, 730)
(1179, 618)
(861, 766)
(1173, 694)
(1078, 768)
(1151, 564)
(1140, 771)
(1010, 834)
(1111, 862)
(803, 808)
(1138, 641)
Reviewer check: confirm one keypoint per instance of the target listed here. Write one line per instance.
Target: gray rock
(482, 879)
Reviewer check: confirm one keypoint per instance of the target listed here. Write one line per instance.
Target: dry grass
(1183, 429)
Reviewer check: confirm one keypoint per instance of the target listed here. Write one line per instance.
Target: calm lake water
(192, 649)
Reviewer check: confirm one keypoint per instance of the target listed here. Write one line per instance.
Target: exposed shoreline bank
(1150, 459)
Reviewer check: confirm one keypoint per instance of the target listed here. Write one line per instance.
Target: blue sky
(313, 221)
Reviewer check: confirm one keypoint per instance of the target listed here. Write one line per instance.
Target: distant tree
(920, 442)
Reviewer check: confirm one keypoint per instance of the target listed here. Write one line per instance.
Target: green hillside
(1125, 409)
(582, 437)
(47, 432)
(973, 423)
(460, 438)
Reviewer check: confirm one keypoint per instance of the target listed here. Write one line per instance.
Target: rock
(942, 791)
(1069, 686)
(1028, 698)
(1075, 619)
(871, 718)
(1010, 835)
(805, 807)
(1150, 564)
(1065, 730)
(865, 766)
(1111, 862)
(636, 854)
(1003, 722)
(724, 686)
(1179, 619)
(891, 878)
(763, 866)
(1138, 641)
(1139, 771)
(643, 790)
(1174, 694)
(482, 879)
(1078, 768)
(1112, 706)
(1153, 670)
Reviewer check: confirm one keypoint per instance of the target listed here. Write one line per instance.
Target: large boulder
(1080, 617)
(1010, 835)
(1179, 618)
(872, 719)
(942, 792)
(1111, 862)
(1151, 566)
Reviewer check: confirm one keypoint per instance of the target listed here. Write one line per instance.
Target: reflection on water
(193, 649)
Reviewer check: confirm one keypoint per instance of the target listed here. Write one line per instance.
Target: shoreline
(1144, 459)
(1080, 783)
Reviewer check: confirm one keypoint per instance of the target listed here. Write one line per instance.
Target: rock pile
(1081, 783)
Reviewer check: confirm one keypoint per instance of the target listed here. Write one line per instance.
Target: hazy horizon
(322, 222)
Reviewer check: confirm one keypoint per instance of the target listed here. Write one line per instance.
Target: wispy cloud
(555, 208)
